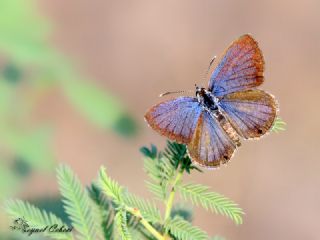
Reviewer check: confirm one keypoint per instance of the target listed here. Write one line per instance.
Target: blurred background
(76, 78)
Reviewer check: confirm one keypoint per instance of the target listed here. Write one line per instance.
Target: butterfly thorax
(207, 99)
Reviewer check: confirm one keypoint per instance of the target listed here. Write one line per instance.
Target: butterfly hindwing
(176, 118)
(250, 112)
(240, 68)
(210, 145)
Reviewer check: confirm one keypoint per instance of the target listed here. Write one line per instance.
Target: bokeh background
(77, 77)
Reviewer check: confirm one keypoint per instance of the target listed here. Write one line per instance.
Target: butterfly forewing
(250, 112)
(175, 119)
(241, 67)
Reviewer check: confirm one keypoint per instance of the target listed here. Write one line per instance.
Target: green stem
(169, 202)
(136, 212)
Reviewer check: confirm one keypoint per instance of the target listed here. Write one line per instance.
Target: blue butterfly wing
(211, 144)
(240, 68)
(176, 118)
(251, 113)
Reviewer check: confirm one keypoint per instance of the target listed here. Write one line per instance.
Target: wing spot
(260, 131)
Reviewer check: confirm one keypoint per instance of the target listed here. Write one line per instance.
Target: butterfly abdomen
(231, 132)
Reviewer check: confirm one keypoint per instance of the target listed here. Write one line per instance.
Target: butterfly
(212, 123)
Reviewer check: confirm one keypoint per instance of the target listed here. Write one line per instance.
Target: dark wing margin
(251, 113)
(176, 119)
(240, 68)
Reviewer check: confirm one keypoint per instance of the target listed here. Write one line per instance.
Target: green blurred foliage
(54, 205)
(11, 73)
(23, 40)
(126, 126)
(30, 67)
(8, 181)
(182, 210)
(21, 167)
(19, 236)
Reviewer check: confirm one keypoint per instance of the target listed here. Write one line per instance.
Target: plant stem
(172, 194)
(169, 202)
(136, 212)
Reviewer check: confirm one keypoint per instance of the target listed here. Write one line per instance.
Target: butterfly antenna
(209, 67)
(189, 91)
(174, 92)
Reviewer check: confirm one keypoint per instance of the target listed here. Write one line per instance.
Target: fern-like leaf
(160, 169)
(178, 156)
(184, 230)
(36, 217)
(161, 172)
(278, 125)
(121, 197)
(110, 187)
(150, 153)
(167, 171)
(121, 224)
(148, 210)
(151, 167)
(105, 210)
(77, 204)
(158, 190)
(200, 195)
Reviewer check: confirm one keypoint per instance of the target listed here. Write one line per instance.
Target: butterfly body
(212, 123)
(210, 104)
